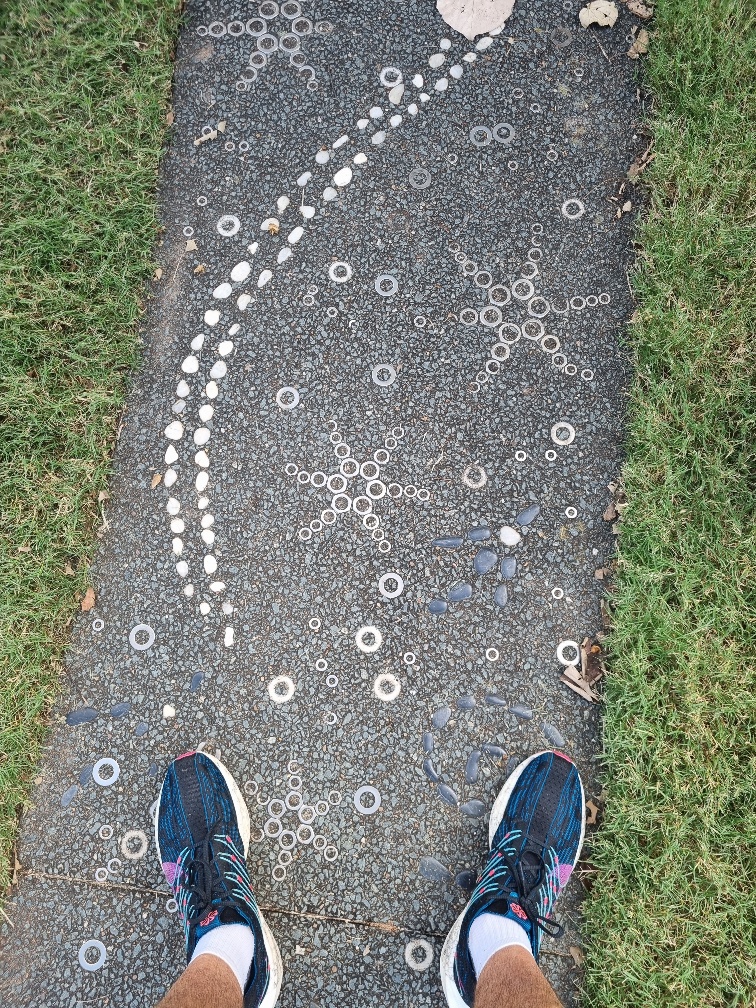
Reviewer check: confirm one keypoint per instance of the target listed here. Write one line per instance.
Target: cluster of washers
(338, 483)
(502, 133)
(293, 805)
(522, 293)
(133, 846)
(287, 40)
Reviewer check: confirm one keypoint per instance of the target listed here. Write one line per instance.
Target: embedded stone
(460, 593)
(485, 561)
(480, 533)
(471, 766)
(440, 717)
(437, 606)
(448, 542)
(466, 702)
(446, 795)
(521, 711)
(82, 716)
(473, 808)
(427, 742)
(500, 596)
(528, 515)
(430, 771)
(508, 567)
(553, 735)
(433, 870)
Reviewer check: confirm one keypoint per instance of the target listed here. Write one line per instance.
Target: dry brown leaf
(627, 207)
(169, 117)
(87, 603)
(640, 9)
(191, 245)
(591, 813)
(640, 46)
(577, 955)
(600, 12)
(102, 496)
(273, 227)
(157, 274)
(199, 268)
(599, 574)
(155, 480)
(24, 549)
(68, 569)
(611, 512)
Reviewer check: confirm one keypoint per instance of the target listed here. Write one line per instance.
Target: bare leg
(511, 979)
(206, 983)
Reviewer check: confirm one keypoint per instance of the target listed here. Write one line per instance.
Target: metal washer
(360, 793)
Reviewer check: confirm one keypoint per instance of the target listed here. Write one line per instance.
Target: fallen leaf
(88, 601)
(68, 569)
(627, 207)
(591, 813)
(577, 955)
(273, 227)
(640, 46)
(298, 950)
(599, 12)
(573, 678)
(221, 127)
(191, 245)
(611, 512)
(169, 117)
(157, 274)
(24, 549)
(599, 574)
(155, 480)
(640, 9)
(199, 268)
(103, 495)
(590, 663)
(210, 135)
(474, 17)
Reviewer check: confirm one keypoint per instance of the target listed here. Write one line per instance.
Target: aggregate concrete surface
(393, 354)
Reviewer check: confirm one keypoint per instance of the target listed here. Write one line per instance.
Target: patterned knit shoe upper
(202, 854)
(535, 847)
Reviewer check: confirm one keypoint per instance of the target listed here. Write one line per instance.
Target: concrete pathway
(358, 493)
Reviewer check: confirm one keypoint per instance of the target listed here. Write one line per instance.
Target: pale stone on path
(474, 17)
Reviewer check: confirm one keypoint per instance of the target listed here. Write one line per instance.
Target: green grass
(672, 914)
(83, 91)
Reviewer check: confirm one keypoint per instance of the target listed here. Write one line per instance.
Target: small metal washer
(91, 967)
(394, 592)
(387, 687)
(98, 767)
(480, 136)
(419, 178)
(568, 645)
(134, 834)
(386, 285)
(287, 397)
(367, 789)
(140, 629)
(418, 945)
(378, 370)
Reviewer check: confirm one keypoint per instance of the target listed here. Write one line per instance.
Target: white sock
(234, 944)
(490, 932)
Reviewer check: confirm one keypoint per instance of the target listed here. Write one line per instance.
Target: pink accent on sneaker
(563, 873)
(185, 754)
(170, 870)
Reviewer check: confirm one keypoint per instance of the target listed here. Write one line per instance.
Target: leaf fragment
(87, 603)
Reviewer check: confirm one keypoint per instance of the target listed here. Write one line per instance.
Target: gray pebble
(528, 515)
(508, 567)
(493, 750)
(120, 709)
(474, 808)
(466, 880)
(82, 716)
(141, 729)
(69, 796)
(460, 593)
(496, 701)
(448, 542)
(446, 794)
(521, 711)
(437, 606)
(197, 680)
(433, 870)
(430, 771)
(427, 743)
(86, 775)
(485, 560)
(471, 767)
(440, 717)
(466, 702)
(479, 534)
(500, 596)
(553, 735)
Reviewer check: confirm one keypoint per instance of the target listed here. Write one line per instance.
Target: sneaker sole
(242, 817)
(446, 966)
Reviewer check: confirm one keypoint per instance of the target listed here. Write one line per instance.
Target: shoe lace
(526, 890)
(203, 880)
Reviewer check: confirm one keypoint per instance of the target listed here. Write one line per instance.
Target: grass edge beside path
(670, 919)
(84, 89)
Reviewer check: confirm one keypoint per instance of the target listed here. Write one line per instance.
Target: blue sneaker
(202, 835)
(535, 834)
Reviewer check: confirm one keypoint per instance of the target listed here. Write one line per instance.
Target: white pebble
(168, 711)
(282, 203)
(343, 177)
(227, 608)
(363, 124)
(206, 413)
(178, 546)
(218, 370)
(412, 109)
(441, 84)
(179, 406)
(396, 120)
(228, 636)
(341, 141)
(200, 483)
(303, 179)
(210, 564)
(295, 235)
(222, 291)
(177, 526)
(424, 98)
(190, 365)
(329, 194)
(242, 301)
(207, 520)
(201, 459)
(484, 43)
(198, 342)
(172, 506)
(234, 329)
(203, 502)
(308, 212)
(360, 158)
(170, 478)
(174, 430)
(212, 317)
(509, 536)
(418, 80)
(445, 44)
(284, 254)
(323, 157)
(217, 586)
(378, 138)
(469, 57)
(264, 277)
(436, 60)
(252, 249)
(170, 454)
(211, 390)
(225, 348)
(189, 590)
(182, 568)
(204, 608)
(396, 93)
(456, 71)
(375, 112)
(201, 436)
(208, 537)
(268, 223)
(182, 389)
(241, 271)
